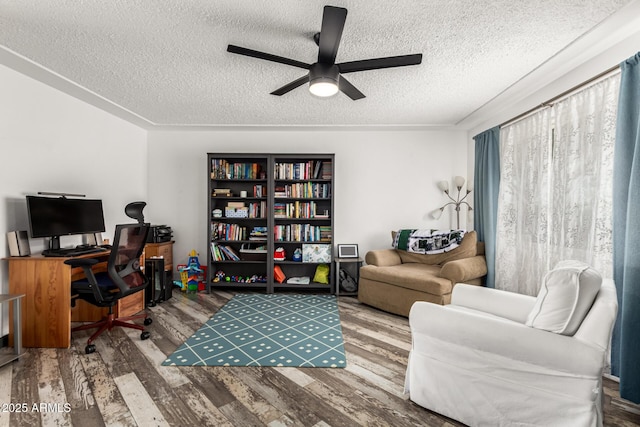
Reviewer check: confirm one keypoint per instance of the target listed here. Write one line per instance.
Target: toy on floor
(193, 275)
(221, 276)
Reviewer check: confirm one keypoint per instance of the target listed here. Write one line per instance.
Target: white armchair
(478, 362)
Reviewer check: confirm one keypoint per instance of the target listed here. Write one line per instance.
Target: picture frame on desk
(347, 251)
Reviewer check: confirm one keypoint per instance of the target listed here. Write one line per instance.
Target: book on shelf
(304, 190)
(258, 233)
(302, 233)
(298, 209)
(312, 169)
(327, 170)
(259, 190)
(317, 169)
(224, 231)
(223, 169)
(223, 253)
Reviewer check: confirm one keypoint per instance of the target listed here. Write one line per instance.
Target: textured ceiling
(166, 61)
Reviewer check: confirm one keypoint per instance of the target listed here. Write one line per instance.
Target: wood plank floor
(123, 383)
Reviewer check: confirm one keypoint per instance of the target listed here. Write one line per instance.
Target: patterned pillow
(565, 298)
(466, 249)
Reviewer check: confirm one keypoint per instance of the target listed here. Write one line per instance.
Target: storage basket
(236, 213)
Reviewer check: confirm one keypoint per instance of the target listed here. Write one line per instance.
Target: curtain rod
(562, 95)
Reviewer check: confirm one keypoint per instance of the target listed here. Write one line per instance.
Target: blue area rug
(268, 330)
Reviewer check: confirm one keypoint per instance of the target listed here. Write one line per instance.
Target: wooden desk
(47, 312)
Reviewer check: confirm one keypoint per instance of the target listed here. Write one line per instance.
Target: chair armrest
(461, 270)
(81, 262)
(436, 328)
(383, 257)
(509, 305)
(91, 285)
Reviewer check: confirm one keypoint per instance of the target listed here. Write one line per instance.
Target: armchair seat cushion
(415, 276)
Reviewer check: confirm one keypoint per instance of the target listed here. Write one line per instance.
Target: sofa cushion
(467, 248)
(566, 295)
(415, 276)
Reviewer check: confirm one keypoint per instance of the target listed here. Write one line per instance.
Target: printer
(159, 234)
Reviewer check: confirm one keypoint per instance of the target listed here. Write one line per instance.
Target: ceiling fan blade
(267, 56)
(332, 24)
(349, 89)
(291, 86)
(377, 63)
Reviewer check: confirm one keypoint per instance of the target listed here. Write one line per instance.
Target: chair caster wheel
(145, 335)
(148, 321)
(152, 304)
(90, 349)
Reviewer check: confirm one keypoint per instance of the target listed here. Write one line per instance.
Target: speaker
(94, 239)
(18, 243)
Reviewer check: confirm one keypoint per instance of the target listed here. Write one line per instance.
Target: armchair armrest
(509, 305)
(436, 328)
(383, 258)
(461, 270)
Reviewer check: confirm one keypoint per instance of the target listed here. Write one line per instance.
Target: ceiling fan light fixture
(323, 88)
(323, 79)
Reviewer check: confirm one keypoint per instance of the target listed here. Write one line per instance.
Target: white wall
(50, 141)
(384, 179)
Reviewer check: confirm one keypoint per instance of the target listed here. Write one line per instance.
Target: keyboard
(71, 252)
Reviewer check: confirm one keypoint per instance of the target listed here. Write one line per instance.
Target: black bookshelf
(261, 202)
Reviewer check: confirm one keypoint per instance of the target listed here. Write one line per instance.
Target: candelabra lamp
(458, 181)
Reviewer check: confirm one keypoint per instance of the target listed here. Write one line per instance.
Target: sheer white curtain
(555, 197)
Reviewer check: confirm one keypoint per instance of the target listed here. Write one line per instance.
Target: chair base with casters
(107, 323)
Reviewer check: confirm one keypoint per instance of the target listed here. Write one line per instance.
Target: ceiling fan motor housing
(327, 73)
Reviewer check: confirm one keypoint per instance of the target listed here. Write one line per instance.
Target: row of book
(223, 169)
(223, 253)
(298, 209)
(257, 209)
(302, 233)
(224, 231)
(304, 190)
(312, 169)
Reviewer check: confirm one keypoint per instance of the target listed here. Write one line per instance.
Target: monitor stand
(54, 243)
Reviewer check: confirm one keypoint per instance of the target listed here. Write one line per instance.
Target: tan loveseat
(394, 279)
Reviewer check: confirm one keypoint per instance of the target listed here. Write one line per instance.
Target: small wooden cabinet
(162, 250)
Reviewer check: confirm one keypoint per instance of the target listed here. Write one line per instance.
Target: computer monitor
(60, 216)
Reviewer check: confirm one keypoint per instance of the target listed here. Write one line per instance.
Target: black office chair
(123, 277)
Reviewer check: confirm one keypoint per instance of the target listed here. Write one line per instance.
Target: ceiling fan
(325, 76)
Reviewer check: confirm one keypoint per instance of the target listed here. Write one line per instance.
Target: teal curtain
(485, 198)
(625, 356)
